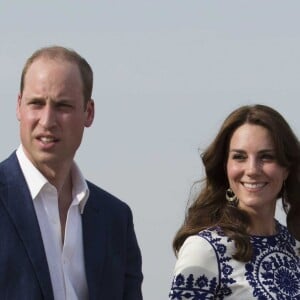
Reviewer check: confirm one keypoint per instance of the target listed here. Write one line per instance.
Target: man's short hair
(64, 54)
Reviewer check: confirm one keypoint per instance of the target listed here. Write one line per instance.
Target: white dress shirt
(65, 260)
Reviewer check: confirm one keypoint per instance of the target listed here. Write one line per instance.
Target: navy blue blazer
(112, 255)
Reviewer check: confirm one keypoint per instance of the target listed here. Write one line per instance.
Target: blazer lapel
(16, 198)
(94, 242)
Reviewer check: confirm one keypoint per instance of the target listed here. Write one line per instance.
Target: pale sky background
(167, 73)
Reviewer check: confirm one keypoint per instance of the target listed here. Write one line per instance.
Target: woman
(230, 245)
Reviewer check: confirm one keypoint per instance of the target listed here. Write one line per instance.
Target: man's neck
(64, 202)
(59, 176)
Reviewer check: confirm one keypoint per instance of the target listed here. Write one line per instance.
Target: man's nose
(48, 117)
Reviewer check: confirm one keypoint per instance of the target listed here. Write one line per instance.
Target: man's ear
(90, 113)
(18, 107)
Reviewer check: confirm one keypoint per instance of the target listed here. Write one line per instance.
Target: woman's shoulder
(203, 248)
(196, 269)
(215, 235)
(196, 257)
(214, 231)
(196, 250)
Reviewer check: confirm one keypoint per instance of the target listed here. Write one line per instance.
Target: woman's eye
(238, 156)
(267, 157)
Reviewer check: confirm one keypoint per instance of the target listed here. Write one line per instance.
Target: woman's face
(253, 172)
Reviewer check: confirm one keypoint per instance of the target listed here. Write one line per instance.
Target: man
(62, 237)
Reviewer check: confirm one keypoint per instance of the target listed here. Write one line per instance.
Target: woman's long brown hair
(211, 208)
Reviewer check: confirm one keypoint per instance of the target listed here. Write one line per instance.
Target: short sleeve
(196, 273)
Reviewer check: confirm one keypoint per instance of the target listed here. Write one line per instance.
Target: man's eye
(35, 103)
(64, 105)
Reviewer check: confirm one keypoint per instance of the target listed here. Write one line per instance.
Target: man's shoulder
(8, 161)
(9, 166)
(102, 198)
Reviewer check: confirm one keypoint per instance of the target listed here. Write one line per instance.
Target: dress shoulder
(195, 254)
(196, 271)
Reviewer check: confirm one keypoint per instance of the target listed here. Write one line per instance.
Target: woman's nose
(253, 167)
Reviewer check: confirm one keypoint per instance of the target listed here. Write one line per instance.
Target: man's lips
(47, 139)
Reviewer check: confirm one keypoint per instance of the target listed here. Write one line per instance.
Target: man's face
(51, 112)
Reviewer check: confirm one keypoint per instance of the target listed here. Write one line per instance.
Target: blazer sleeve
(133, 273)
(196, 271)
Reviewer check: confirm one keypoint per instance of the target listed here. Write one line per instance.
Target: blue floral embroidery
(273, 273)
(203, 288)
(189, 288)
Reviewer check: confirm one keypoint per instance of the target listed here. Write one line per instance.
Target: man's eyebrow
(31, 99)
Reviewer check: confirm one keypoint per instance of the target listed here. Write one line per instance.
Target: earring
(231, 197)
(284, 197)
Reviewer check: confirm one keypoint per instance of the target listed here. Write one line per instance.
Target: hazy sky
(167, 73)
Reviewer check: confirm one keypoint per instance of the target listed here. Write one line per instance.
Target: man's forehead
(44, 65)
(57, 60)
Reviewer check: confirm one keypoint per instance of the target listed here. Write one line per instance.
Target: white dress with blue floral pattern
(205, 268)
